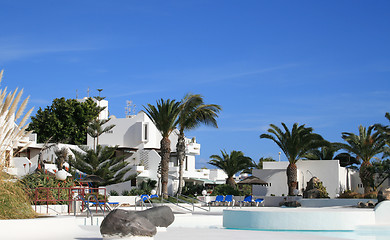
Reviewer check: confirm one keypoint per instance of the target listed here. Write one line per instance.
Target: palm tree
(95, 129)
(365, 146)
(193, 112)
(101, 162)
(231, 163)
(295, 145)
(385, 131)
(164, 116)
(323, 153)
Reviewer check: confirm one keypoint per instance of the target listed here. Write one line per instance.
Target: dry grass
(14, 202)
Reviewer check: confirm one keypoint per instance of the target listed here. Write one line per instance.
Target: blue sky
(325, 64)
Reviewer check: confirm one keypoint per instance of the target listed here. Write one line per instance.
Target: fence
(65, 195)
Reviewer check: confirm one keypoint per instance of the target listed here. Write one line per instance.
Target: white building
(336, 179)
(137, 139)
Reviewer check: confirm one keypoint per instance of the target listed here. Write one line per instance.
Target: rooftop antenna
(129, 109)
(77, 94)
(88, 92)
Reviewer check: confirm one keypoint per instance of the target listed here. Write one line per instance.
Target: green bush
(322, 190)
(114, 193)
(191, 189)
(39, 179)
(371, 195)
(350, 194)
(126, 193)
(14, 201)
(225, 189)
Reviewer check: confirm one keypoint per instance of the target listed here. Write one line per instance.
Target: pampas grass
(14, 202)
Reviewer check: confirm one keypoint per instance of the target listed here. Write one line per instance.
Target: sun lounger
(218, 200)
(247, 200)
(229, 201)
(144, 197)
(153, 196)
(259, 201)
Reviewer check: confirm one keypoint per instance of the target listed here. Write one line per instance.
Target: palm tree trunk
(165, 156)
(181, 154)
(292, 178)
(366, 176)
(230, 181)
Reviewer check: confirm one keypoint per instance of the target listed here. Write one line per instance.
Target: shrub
(191, 189)
(371, 195)
(225, 189)
(14, 201)
(125, 193)
(322, 193)
(350, 194)
(114, 193)
(39, 179)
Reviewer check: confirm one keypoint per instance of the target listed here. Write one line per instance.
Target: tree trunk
(165, 156)
(230, 181)
(366, 176)
(292, 178)
(181, 154)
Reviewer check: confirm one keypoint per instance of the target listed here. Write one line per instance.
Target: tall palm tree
(95, 129)
(164, 116)
(193, 112)
(294, 144)
(385, 131)
(231, 163)
(365, 146)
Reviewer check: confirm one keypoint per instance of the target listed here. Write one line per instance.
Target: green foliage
(14, 202)
(225, 189)
(245, 190)
(323, 153)
(371, 195)
(114, 193)
(350, 194)
(144, 188)
(191, 189)
(322, 190)
(101, 162)
(39, 179)
(231, 163)
(126, 193)
(382, 169)
(295, 143)
(64, 121)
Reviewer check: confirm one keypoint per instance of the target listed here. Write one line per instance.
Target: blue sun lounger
(218, 200)
(247, 199)
(229, 201)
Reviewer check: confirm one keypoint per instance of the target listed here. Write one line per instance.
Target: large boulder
(160, 216)
(122, 223)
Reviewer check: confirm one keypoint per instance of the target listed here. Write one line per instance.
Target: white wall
(329, 172)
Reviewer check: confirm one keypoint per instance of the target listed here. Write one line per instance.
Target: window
(145, 132)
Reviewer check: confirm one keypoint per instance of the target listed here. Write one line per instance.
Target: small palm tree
(385, 132)
(164, 116)
(365, 146)
(193, 112)
(231, 163)
(294, 144)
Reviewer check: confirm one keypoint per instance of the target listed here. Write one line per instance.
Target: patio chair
(229, 201)
(218, 200)
(247, 199)
(153, 196)
(259, 201)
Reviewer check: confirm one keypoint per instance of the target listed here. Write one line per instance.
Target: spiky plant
(164, 116)
(365, 146)
(193, 112)
(294, 144)
(231, 163)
